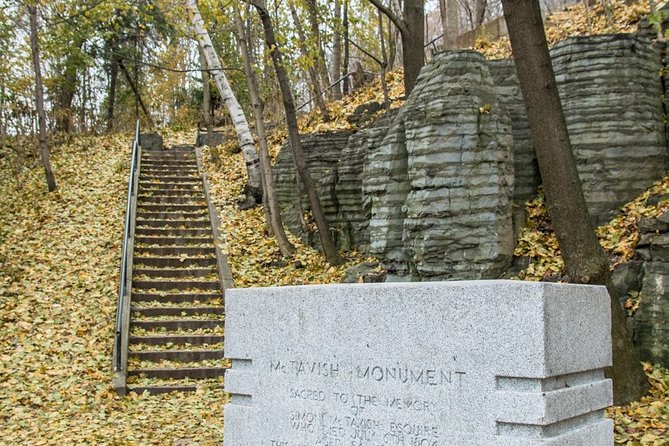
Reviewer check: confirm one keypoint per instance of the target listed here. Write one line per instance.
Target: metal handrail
(118, 365)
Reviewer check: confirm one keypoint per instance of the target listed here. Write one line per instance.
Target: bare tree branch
(388, 13)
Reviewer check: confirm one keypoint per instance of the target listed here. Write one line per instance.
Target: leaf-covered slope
(618, 237)
(577, 20)
(59, 263)
(253, 255)
(59, 258)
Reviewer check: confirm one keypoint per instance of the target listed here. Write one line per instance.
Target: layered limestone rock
(322, 152)
(428, 189)
(651, 329)
(385, 187)
(612, 99)
(440, 184)
(352, 223)
(525, 167)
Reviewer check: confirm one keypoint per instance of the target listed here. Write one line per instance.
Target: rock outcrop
(428, 189)
(612, 99)
(525, 167)
(352, 222)
(650, 321)
(322, 152)
(440, 184)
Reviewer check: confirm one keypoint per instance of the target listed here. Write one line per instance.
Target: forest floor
(59, 266)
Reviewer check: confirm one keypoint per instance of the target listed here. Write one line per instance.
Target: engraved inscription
(302, 368)
(406, 374)
(342, 412)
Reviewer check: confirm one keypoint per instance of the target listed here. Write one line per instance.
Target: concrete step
(177, 339)
(185, 156)
(180, 373)
(177, 355)
(156, 165)
(171, 215)
(174, 241)
(164, 285)
(164, 168)
(159, 390)
(167, 207)
(173, 232)
(175, 251)
(166, 199)
(175, 325)
(172, 193)
(169, 154)
(175, 298)
(185, 272)
(176, 311)
(160, 174)
(164, 177)
(168, 165)
(170, 177)
(182, 224)
(174, 262)
(149, 187)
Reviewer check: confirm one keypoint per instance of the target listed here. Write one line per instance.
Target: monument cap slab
(441, 363)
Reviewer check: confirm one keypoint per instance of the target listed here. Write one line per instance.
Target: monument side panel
(443, 363)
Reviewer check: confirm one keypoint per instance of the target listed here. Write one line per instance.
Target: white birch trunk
(254, 189)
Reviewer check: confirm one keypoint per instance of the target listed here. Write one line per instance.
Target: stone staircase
(176, 308)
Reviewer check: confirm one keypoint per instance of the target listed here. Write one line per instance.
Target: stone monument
(475, 363)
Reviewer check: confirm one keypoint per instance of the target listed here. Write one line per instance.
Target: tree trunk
(479, 13)
(453, 20)
(316, 87)
(392, 45)
(67, 90)
(443, 13)
(3, 118)
(384, 64)
(412, 31)
(206, 97)
(584, 259)
(39, 100)
(254, 185)
(336, 50)
(275, 222)
(413, 42)
(329, 249)
(344, 68)
(138, 97)
(84, 99)
(312, 12)
(111, 98)
(449, 22)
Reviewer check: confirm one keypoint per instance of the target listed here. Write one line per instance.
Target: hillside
(59, 267)
(577, 20)
(59, 261)
(58, 284)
